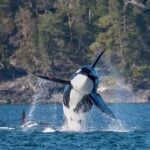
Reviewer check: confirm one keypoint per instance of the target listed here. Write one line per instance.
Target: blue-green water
(100, 133)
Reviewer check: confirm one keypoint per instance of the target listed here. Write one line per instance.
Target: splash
(116, 126)
(114, 86)
(80, 123)
(91, 121)
(74, 121)
(48, 129)
(41, 92)
(116, 90)
(42, 116)
(39, 96)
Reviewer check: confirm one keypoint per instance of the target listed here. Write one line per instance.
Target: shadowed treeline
(56, 36)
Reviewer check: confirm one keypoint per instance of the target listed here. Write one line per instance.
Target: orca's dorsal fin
(23, 118)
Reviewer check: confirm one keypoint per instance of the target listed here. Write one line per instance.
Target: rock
(24, 90)
(11, 97)
(143, 95)
(116, 90)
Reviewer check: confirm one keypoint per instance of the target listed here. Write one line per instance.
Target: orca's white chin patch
(81, 83)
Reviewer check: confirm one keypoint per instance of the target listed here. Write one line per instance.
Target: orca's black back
(84, 105)
(66, 96)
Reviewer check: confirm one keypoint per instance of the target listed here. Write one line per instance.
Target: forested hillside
(56, 36)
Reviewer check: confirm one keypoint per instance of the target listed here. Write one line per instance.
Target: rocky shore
(25, 89)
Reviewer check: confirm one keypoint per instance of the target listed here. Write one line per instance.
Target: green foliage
(58, 36)
(140, 72)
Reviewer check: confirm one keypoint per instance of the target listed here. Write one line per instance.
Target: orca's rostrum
(80, 95)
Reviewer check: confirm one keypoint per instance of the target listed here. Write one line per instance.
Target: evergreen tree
(56, 36)
(6, 26)
(25, 53)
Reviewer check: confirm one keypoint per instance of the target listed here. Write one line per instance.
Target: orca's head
(85, 80)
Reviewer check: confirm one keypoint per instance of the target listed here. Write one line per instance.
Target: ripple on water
(133, 135)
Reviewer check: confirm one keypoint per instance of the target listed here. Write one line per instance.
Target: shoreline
(24, 90)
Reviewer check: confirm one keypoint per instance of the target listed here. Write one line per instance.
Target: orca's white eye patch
(82, 84)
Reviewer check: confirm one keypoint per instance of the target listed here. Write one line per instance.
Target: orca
(80, 94)
(23, 118)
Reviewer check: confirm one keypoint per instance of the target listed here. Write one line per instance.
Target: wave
(49, 129)
(6, 128)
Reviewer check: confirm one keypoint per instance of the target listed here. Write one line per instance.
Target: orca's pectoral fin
(54, 79)
(99, 102)
(97, 59)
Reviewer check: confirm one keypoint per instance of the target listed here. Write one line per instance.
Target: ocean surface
(130, 132)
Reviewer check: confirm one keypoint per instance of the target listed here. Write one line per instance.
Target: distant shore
(23, 90)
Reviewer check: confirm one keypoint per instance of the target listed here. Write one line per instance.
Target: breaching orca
(80, 94)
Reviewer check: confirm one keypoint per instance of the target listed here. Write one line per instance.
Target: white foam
(117, 130)
(48, 129)
(29, 125)
(6, 128)
(116, 126)
(74, 120)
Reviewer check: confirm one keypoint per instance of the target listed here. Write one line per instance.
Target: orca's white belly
(74, 120)
(75, 98)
